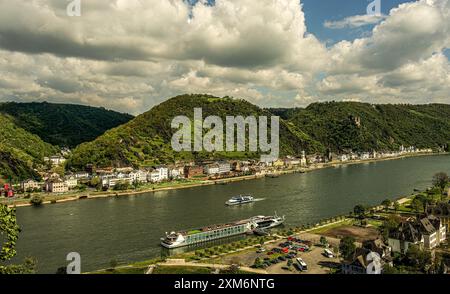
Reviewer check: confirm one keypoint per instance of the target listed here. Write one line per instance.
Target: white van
(302, 265)
(328, 253)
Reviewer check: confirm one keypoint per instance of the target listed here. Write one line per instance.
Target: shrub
(36, 201)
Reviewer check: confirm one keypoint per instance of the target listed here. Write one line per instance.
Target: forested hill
(21, 152)
(361, 126)
(65, 125)
(146, 140)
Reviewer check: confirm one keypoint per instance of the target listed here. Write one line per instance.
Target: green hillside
(146, 139)
(382, 127)
(20, 151)
(63, 124)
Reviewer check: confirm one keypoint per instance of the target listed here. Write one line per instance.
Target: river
(128, 229)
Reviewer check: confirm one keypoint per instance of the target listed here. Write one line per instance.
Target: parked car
(328, 253)
(285, 244)
(303, 248)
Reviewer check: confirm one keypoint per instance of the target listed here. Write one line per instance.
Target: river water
(128, 229)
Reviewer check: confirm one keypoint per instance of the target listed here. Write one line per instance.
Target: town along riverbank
(47, 198)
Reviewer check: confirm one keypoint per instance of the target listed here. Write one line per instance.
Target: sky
(129, 55)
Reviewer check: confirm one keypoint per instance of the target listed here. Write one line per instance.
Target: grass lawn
(220, 259)
(181, 270)
(374, 223)
(326, 228)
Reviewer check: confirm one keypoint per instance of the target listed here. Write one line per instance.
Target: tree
(261, 241)
(347, 247)
(28, 267)
(96, 183)
(424, 200)
(396, 206)
(9, 228)
(36, 201)
(438, 266)
(258, 262)
(122, 185)
(9, 233)
(418, 258)
(359, 211)
(58, 170)
(417, 205)
(386, 203)
(323, 241)
(440, 181)
(391, 223)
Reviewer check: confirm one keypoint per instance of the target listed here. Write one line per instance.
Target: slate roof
(406, 231)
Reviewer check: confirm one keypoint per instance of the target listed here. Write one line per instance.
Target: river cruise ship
(214, 232)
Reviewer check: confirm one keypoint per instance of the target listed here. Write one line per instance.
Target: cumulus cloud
(130, 55)
(355, 21)
(412, 31)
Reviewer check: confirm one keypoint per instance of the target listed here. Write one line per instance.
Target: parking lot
(308, 249)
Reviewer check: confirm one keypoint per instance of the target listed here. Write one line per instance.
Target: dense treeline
(20, 151)
(64, 125)
(363, 127)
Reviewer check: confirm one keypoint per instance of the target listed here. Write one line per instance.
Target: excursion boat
(238, 200)
(268, 222)
(214, 232)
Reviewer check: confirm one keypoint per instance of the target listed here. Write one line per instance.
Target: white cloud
(355, 21)
(131, 55)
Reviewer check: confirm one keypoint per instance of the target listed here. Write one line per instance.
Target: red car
(285, 250)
